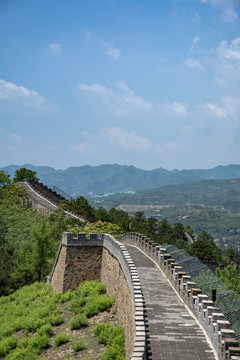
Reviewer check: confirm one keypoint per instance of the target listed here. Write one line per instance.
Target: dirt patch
(92, 351)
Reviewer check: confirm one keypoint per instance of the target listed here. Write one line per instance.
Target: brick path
(174, 333)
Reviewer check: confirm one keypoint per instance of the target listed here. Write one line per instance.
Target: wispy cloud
(194, 64)
(22, 96)
(120, 140)
(111, 51)
(121, 100)
(228, 8)
(55, 48)
(228, 109)
(107, 48)
(230, 52)
(19, 139)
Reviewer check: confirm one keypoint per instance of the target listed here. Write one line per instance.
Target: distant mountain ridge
(111, 178)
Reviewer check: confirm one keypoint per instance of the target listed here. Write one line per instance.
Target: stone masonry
(101, 257)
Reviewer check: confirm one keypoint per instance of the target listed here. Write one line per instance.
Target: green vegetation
(23, 174)
(211, 205)
(28, 316)
(78, 346)
(113, 338)
(96, 227)
(28, 241)
(78, 321)
(61, 339)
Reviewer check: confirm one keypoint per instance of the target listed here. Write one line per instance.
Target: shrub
(96, 304)
(61, 339)
(87, 288)
(112, 354)
(78, 321)
(39, 342)
(7, 344)
(78, 346)
(45, 329)
(23, 354)
(56, 320)
(113, 338)
(77, 305)
(67, 296)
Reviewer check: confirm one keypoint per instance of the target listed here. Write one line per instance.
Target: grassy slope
(34, 319)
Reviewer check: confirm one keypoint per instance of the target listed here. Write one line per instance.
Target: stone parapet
(218, 330)
(102, 257)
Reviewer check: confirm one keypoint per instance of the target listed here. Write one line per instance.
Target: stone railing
(102, 257)
(216, 327)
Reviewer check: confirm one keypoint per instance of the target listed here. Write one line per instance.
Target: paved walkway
(174, 333)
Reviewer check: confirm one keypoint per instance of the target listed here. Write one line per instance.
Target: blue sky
(147, 83)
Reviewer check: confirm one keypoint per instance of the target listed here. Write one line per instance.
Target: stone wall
(217, 328)
(102, 257)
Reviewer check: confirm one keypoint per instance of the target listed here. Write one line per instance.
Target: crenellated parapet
(102, 257)
(209, 316)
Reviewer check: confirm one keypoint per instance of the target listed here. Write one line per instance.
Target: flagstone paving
(174, 332)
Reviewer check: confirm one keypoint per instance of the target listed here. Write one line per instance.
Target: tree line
(29, 241)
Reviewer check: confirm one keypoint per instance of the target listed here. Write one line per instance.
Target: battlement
(101, 257)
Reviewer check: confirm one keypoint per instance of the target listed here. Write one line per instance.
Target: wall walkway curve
(221, 336)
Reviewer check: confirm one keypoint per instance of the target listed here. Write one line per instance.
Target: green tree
(42, 249)
(82, 206)
(4, 178)
(139, 222)
(102, 214)
(206, 250)
(164, 232)
(119, 217)
(205, 236)
(178, 232)
(23, 174)
(230, 276)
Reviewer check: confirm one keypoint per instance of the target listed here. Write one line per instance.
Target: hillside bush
(7, 344)
(78, 346)
(113, 338)
(78, 321)
(61, 339)
(96, 304)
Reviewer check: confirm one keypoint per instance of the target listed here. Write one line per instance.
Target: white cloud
(228, 8)
(230, 108)
(115, 144)
(194, 64)
(230, 52)
(125, 140)
(17, 138)
(179, 109)
(197, 18)
(21, 96)
(220, 112)
(122, 101)
(112, 51)
(196, 39)
(55, 48)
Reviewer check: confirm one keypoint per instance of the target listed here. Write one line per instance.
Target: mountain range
(112, 178)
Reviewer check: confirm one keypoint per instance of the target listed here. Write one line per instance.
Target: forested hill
(99, 180)
(215, 193)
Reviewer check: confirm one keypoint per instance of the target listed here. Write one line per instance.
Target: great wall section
(165, 315)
